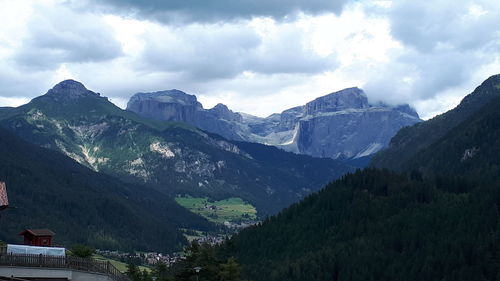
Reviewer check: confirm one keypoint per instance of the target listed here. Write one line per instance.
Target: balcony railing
(68, 262)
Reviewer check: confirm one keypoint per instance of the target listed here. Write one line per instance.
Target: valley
(212, 194)
(325, 140)
(170, 157)
(230, 212)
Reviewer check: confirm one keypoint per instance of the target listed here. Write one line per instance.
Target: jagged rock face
(290, 117)
(172, 157)
(345, 125)
(220, 111)
(175, 105)
(342, 100)
(356, 132)
(339, 125)
(70, 89)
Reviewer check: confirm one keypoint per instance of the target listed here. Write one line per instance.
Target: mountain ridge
(300, 129)
(408, 141)
(436, 218)
(51, 190)
(173, 157)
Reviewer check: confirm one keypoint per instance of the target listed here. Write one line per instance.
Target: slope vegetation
(437, 220)
(409, 141)
(50, 190)
(174, 158)
(378, 225)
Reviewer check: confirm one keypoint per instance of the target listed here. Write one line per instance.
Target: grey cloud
(285, 52)
(205, 52)
(18, 84)
(445, 44)
(174, 11)
(445, 24)
(417, 76)
(59, 36)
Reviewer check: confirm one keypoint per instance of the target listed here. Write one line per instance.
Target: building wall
(33, 272)
(44, 241)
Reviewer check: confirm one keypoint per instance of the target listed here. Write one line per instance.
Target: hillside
(437, 220)
(410, 140)
(174, 158)
(50, 190)
(377, 225)
(470, 150)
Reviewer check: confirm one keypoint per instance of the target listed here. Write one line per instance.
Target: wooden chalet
(38, 237)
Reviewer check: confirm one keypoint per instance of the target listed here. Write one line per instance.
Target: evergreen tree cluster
(437, 218)
(49, 190)
(378, 225)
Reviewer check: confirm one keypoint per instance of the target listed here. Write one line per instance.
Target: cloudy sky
(256, 56)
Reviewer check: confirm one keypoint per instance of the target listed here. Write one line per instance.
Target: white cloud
(464, 25)
(254, 60)
(56, 35)
(444, 44)
(221, 51)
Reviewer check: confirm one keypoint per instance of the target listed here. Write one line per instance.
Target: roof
(38, 232)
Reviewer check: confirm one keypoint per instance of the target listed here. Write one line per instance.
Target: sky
(256, 56)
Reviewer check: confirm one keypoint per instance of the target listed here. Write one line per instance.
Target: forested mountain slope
(49, 190)
(174, 158)
(378, 225)
(438, 219)
(470, 150)
(408, 142)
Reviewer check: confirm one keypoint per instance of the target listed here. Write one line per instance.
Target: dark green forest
(267, 177)
(378, 225)
(49, 190)
(470, 151)
(410, 141)
(436, 218)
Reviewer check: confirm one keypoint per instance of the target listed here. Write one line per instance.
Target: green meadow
(232, 209)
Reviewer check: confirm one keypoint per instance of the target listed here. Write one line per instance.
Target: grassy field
(192, 234)
(231, 209)
(121, 266)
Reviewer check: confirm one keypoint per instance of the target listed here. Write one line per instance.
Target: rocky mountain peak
(70, 89)
(405, 108)
(223, 112)
(337, 101)
(342, 124)
(168, 96)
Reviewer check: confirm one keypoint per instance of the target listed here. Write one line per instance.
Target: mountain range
(47, 189)
(174, 158)
(100, 175)
(437, 217)
(341, 125)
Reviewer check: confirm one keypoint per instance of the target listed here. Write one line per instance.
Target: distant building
(38, 237)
